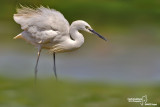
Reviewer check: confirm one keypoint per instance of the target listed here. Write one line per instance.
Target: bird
(47, 28)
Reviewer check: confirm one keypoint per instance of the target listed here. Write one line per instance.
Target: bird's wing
(43, 23)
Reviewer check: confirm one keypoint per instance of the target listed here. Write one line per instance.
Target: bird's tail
(19, 36)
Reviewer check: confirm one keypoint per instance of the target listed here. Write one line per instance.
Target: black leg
(54, 67)
(36, 70)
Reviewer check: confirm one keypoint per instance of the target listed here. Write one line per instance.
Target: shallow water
(111, 62)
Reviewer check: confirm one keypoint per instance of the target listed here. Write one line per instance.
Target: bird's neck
(77, 37)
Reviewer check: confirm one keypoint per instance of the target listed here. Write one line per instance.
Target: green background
(132, 28)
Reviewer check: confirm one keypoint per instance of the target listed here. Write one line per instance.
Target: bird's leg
(36, 70)
(54, 65)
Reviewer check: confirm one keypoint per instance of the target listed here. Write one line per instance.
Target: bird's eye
(86, 27)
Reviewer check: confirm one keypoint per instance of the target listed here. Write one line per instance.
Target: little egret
(47, 28)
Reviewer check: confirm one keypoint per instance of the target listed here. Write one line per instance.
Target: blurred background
(99, 73)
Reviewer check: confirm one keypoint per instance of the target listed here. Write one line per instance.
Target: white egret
(47, 28)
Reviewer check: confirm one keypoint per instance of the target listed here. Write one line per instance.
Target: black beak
(98, 34)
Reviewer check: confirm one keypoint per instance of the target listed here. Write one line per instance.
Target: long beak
(98, 34)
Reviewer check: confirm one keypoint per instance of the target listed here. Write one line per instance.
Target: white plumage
(43, 26)
(47, 28)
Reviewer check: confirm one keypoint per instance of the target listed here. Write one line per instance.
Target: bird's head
(82, 25)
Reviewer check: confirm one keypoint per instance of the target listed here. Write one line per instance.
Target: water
(113, 62)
